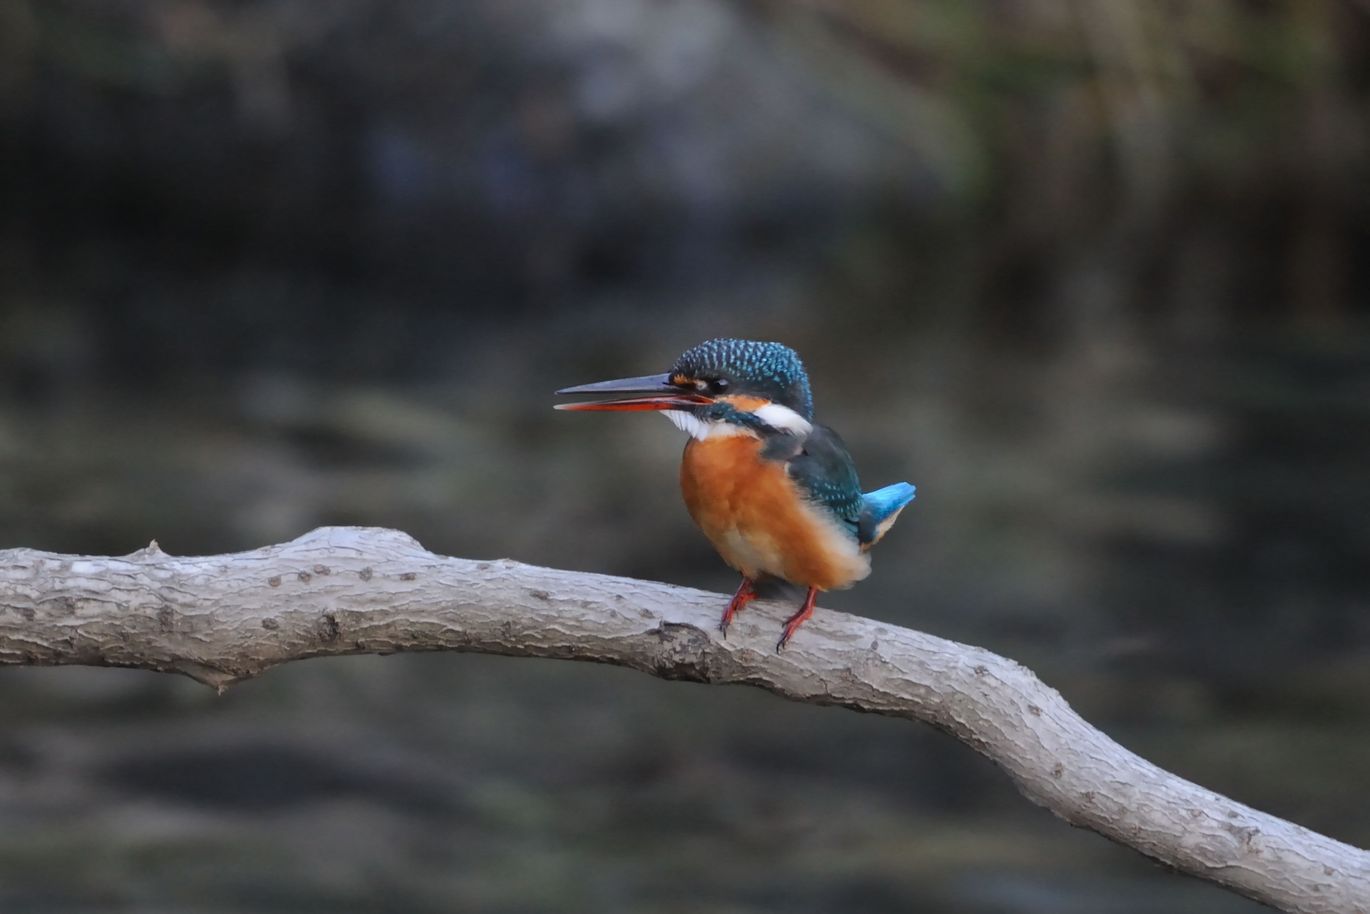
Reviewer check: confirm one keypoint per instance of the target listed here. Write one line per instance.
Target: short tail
(879, 510)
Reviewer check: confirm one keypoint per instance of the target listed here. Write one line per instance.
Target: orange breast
(757, 520)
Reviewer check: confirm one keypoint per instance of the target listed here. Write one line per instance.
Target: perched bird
(776, 493)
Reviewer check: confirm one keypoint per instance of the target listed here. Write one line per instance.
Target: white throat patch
(780, 418)
(698, 429)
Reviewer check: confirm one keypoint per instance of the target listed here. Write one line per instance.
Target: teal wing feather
(823, 470)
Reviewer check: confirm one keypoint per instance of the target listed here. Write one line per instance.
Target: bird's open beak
(653, 391)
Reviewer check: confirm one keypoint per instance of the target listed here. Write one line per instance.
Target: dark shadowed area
(1093, 275)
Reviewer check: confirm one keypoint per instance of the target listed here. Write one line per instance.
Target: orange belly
(757, 519)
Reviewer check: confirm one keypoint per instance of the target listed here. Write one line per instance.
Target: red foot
(746, 593)
(793, 622)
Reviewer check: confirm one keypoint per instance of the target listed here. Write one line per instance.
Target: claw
(746, 593)
(793, 622)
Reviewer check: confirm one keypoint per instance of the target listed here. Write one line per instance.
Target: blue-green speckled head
(750, 367)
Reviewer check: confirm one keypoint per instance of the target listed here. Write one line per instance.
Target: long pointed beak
(653, 391)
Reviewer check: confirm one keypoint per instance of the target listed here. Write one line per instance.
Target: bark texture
(224, 618)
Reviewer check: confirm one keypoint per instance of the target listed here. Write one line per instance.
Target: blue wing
(880, 509)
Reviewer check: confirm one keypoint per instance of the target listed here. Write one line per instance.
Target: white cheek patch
(784, 419)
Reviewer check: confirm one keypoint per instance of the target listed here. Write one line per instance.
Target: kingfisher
(776, 493)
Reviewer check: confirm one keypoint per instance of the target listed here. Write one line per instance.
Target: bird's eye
(718, 385)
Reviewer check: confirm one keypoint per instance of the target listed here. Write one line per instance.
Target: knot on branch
(683, 652)
(361, 539)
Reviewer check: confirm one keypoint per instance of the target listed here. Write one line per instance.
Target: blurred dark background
(1092, 275)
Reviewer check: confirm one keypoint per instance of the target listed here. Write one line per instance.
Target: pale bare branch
(220, 619)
